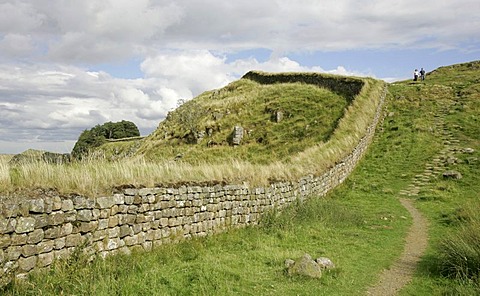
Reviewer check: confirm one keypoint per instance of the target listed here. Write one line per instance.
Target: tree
(98, 135)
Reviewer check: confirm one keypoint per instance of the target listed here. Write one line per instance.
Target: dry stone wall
(36, 232)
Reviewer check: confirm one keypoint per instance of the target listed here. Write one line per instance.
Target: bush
(99, 134)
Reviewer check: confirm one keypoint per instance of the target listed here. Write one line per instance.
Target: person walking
(422, 74)
(415, 75)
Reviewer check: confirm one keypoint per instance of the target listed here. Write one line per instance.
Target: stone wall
(36, 232)
(347, 87)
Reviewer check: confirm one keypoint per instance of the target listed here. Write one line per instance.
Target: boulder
(325, 263)
(237, 135)
(452, 175)
(304, 266)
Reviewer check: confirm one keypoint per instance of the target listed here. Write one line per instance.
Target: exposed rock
(304, 266)
(472, 160)
(237, 135)
(289, 263)
(452, 175)
(278, 116)
(325, 263)
(468, 150)
(209, 131)
(199, 136)
(217, 116)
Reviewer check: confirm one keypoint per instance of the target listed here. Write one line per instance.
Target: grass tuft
(460, 251)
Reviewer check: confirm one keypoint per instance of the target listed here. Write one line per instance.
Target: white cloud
(185, 47)
(90, 31)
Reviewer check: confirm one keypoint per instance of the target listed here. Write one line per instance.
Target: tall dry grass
(97, 176)
(4, 172)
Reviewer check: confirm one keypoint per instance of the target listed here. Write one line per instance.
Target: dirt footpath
(393, 279)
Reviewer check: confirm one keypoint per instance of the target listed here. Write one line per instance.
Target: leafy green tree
(98, 135)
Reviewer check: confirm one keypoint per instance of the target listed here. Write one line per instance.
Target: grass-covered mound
(280, 115)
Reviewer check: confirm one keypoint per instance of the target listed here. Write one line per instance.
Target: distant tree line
(99, 134)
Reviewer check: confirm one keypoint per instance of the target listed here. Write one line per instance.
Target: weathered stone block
(66, 229)
(7, 225)
(63, 253)
(140, 218)
(113, 221)
(100, 235)
(45, 259)
(80, 202)
(144, 207)
(95, 214)
(137, 228)
(67, 205)
(25, 224)
(29, 250)
(12, 253)
(128, 199)
(5, 241)
(113, 232)
(137, 199)
(123, 209)
(125, 230)
(71, 216)
(150, 236)
(84, 215)
(73, 240)
(56, 203)
(35, 236)
(87, 227)
(104, 214)
(146, 191)
(59, 243)
(10, 210)
(132, 209)
(119, 199)
(36, 205)
(56, 218)
(131, 191)
(113, 243)
(105, 202)
(164, 222)
(102, 224)
(45, 246)
(131, 240)
(18, 239)
(128, 219)
(27, 264)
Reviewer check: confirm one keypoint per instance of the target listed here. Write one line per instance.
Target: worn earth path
(392, 280)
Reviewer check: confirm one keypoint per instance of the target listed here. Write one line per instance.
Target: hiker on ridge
(415, 75)
(422, 74)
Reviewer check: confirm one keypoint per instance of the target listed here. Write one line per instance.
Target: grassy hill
(292, 125)
(278, 120)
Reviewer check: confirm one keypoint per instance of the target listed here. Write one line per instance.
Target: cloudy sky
(67, 65)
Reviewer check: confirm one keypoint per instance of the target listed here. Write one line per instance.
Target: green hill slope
(276, 116)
